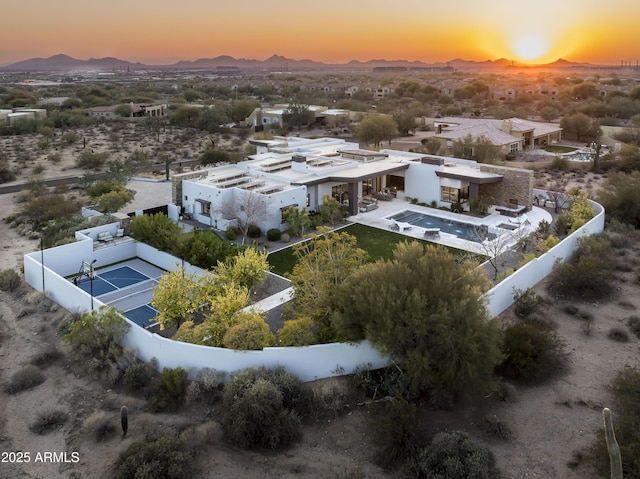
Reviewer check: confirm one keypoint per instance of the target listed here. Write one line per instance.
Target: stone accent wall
(517, 184)
(176, 185)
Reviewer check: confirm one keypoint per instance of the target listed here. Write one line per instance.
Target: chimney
(506, 126)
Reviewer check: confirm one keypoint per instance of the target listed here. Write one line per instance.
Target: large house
(299, 172)
(510, 135)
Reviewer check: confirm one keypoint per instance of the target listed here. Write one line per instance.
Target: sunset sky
(332, 31)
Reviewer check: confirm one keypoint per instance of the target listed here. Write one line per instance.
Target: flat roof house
(299, 172)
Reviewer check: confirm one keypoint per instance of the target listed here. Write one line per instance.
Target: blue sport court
(126, 288)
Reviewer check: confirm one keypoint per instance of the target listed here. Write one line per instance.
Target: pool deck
(378, 218)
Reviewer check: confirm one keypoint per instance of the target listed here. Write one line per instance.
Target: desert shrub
(263, 408)
(48, 421)
(9, 280)
(274, 234)
(395, 425)
(172, 389)
(100, 426)
(65, 322)
(588, 273)
(633, 322)
(201, 434)
(254, 231)
(47, 357)
(97, 333)
(328, 400)
(297, 332)
(24, 378)
(167, 457)
(559, 163)
(231, 233)
(454, 455)
(138, 378)
(494, 428)
(626, 417)
(571, 310)
(90, 160)
(285, 237)
(525, 302)
(532, 353)
(211, 383)
(618, 335)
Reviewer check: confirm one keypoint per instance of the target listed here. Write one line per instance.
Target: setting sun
(530, 47)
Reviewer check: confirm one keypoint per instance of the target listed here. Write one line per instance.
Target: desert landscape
(551, 426)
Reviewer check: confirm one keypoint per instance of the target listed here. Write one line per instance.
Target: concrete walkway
(272, 302)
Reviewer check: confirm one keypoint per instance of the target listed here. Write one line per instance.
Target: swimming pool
(466, 231)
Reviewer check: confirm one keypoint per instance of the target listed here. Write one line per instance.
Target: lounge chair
(399, 225)
(432, 232)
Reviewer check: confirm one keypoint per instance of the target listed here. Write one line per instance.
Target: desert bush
(167, 457)
(274, 234)
(138, 378)
(211, 384)
(9, 280)
(98, 333)
(285, 237)
(24, 378)
(263, 408)
(328, 400)
(172, 389)
(47, 357)
(633, 322)
(90, 160)
(454, 455)
(532, 353)
(48, 421)
(588, 273)
(156, 230)
(618, 335)
(525, 302)
(209, 432)
(65, 322)
(395, 425)
(100, 426)
(494, 428)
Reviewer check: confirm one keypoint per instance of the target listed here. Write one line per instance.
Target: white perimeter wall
(500, 297)
(308, 363)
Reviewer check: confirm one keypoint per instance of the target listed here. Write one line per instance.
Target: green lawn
(377, 242)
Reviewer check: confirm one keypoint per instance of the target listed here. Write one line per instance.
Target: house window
(448, 194)
(514, 147)
(205, 207)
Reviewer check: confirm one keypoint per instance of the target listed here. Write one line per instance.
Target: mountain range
(65, 63)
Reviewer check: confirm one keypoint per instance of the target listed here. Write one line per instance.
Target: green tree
(580, 210)
(324, 263)
(330, 210)
(478, 148)
(245, 269)
(109, 196)
(629, 158)
(620, 196)
(211, 156)
(298, 220)
(427, 314)
(186, 116)
(377, 129)
(297, 115)
(124, 110)
(156, 230)
(432, 145)
(175, 297)
(297, 332)
(250, 332)
(241, 109)
(406, 122)
(579, 126)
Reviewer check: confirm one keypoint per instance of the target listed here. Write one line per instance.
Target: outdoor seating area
(432, 232)
(367, 204)
(513, 211)
(399, 225)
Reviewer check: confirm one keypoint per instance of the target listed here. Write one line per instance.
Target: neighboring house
(510, 135)
(300, 172)
(272, 116)
(138, 110)
(107, 112)
(8, 117)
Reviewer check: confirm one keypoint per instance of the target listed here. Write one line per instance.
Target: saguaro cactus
(615, 459)
(124, 420)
